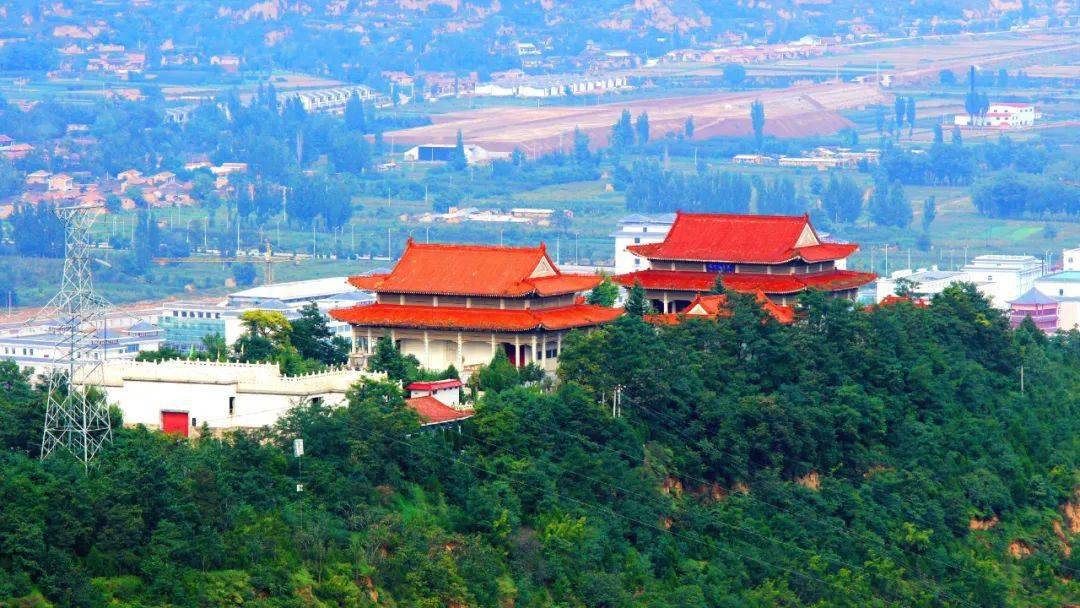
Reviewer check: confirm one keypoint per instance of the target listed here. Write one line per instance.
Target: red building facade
(779, 256)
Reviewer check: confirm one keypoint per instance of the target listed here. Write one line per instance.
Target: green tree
(582, 156)
(641, 129)
(757, 121)
(929, 212)
(909, 112)
(842, 200)
(688, 127)
(734, 74)
(311, 336)
(604, 294)
(498, 375)
(458, 160)
(354, 114)
(244, 274)
(387, 358)
(622, 133)
(637, 302)
(718, 286)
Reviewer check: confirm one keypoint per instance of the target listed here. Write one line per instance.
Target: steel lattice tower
(75, 419)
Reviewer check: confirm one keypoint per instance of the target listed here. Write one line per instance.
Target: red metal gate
(175, 422)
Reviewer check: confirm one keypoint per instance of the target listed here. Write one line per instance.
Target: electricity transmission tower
(75, 418)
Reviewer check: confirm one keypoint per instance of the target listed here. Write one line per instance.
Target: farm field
(801, 110)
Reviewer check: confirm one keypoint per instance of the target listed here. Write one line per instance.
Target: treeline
(652, 189)
(855, 458)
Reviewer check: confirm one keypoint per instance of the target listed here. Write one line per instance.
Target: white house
(1070, 259)
(1003, 278)
(177, 396)
(447, 391)
(638, 229)
(924, 283)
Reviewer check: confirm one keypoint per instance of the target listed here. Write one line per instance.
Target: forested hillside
(856, 458)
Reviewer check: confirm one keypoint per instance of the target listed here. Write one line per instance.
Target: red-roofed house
(780, 256)
(460, 304)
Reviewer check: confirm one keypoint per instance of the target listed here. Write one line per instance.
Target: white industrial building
(1003, 278)
(178, 396)
(441, 153)
(551, 86)
(925, 283)
(638, 229)
(186, 323)
(45, 349)
(331, 100)
(1001, 115)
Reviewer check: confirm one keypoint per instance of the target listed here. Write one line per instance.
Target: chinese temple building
(460, 304)
(779, 256)
(1041, 308)
(715, 306)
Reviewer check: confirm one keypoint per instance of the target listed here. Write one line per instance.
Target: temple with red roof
(777, 255)
(460, 304)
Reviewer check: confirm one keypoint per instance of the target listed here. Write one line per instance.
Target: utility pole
(388, 256)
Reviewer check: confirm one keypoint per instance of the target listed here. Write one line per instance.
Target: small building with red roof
(715, 306)
(777, 255)
(460, 304)
(447, 391)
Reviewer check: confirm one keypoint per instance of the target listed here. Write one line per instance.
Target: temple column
(460, 353)
(558, 345)
(427, 350)
(492, 345)
(665, 303)
(532, 355)
(543, 351)
(370, 346)
(517, 350)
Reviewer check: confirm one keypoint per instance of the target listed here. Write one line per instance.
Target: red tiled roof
(676, 280)
(835, 280)
(474, 270)
(715, 306)
(433, 411)
(476, 319)
(751, 239)
(891, 300)
(434, 385)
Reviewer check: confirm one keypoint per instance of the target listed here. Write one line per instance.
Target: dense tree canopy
(855, 458)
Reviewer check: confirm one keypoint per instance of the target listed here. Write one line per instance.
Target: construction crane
(268, 262)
